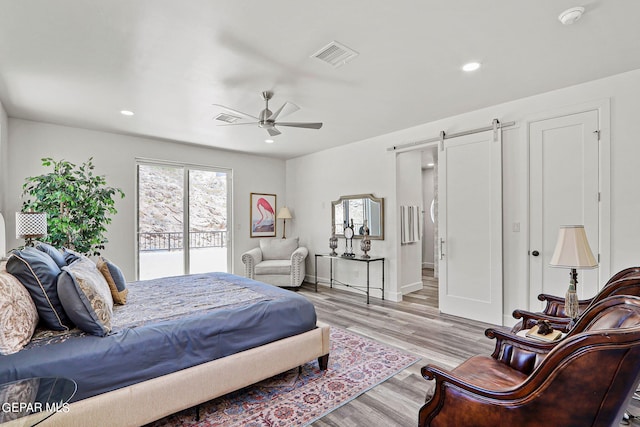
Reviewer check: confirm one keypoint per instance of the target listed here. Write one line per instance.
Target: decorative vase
(365, 244)
(333, 242)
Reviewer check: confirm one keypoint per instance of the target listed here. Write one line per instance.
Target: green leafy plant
(77, 202)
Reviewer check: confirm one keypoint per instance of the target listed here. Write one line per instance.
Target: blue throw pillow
(86, 297)
(39, 274)
(55, 254)
(70, 256)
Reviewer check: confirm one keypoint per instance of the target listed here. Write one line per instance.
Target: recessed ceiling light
(126, 112)
(269, 141)
(471, 66)
(570, 16)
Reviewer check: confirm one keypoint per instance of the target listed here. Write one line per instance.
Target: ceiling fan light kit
(267, 119)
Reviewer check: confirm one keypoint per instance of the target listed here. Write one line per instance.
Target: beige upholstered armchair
(279, 262)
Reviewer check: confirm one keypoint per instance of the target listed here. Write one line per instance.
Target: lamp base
(571, 306)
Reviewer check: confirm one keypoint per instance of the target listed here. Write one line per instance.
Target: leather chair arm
(548, 297)
(555, 305)
(432, 372)
(504, 338)
(530, 319)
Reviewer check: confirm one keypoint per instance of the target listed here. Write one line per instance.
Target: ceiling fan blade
(273, 131)
(286, 109)
(300, 125)
(240, 113)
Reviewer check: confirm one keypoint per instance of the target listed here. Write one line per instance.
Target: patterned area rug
(294, 398)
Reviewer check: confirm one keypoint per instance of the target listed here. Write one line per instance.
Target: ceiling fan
(266, 119)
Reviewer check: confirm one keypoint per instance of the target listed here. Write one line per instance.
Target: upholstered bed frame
(150, 400)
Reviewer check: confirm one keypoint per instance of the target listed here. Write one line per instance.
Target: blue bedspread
(167, 325)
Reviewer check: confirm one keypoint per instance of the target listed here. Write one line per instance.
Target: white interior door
(563, 191)
(470, 222)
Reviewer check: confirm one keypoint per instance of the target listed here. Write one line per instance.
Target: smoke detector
(570, 16)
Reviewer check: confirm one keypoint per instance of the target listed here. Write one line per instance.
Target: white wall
(115, 156)
(4, 162)
(366, 166)
(4, 173)
(316, 180)
(409, 193)
(428, 256)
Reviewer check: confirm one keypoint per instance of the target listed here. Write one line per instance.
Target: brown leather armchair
(583, 380)
(624, 282)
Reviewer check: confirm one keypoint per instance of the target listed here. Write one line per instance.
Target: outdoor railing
(169, 241)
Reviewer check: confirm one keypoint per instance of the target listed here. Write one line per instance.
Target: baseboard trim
(411, 287)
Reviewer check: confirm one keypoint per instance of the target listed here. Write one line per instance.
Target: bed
(177, 342)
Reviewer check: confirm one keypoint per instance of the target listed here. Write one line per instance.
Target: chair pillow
(19, 314)
(86, 297)
(55, 254)
(114, 277)
(278, 248)
(274, 266)
(39, 273)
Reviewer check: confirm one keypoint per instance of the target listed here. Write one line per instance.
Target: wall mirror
(359, 208)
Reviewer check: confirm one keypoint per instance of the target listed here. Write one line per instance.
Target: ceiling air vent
(227, 118)
(335, 54)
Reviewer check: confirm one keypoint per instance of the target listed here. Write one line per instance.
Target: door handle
(535, 253)
(441, 248)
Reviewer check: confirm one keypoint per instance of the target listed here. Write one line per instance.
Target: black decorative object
(348, 241)
(544, 327)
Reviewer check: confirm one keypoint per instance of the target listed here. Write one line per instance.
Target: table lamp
(30, 225)
(572, 251)
(284, 215)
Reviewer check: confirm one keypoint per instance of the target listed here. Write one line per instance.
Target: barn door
(470, 221)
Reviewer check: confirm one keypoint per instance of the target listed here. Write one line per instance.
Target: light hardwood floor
(415, 325)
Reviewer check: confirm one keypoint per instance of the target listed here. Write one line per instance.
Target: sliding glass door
(183, 220)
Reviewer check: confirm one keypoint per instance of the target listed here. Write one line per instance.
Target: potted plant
(78, 204)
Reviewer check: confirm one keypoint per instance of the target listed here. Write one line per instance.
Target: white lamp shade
(572, 249)
(284, 213)
(31, 225)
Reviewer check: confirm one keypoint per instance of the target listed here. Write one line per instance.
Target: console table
(364, 289)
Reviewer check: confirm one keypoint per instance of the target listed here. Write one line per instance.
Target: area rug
(299, 397)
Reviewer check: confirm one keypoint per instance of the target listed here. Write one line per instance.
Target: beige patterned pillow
(19, 315)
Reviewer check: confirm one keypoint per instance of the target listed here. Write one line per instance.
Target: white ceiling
(79, 62)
